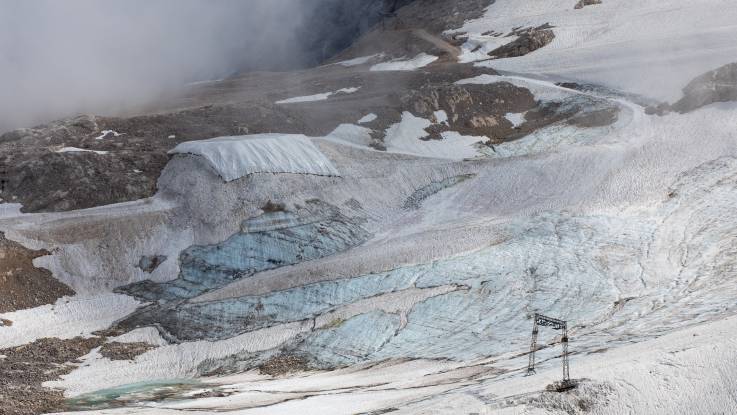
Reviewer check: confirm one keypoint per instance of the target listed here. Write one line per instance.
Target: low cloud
(58, 58)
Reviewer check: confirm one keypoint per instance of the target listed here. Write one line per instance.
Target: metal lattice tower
(556, 324)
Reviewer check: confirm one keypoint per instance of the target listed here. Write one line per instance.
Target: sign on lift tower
(556, 324)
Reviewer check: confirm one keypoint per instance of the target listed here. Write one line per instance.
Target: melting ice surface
(272, 240)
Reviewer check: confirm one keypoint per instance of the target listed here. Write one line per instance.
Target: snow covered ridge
(318, 97)
(238, 156)
(419, 61)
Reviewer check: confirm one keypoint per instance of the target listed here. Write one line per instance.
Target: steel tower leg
(533, 348)
(566, 369)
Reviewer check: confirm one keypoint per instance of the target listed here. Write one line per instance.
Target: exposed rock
(476, 110)
(22, 285)
(271, 207)
(659, 109)
(44, 180)
(596, 118)
(719, 85)
(16, 135)
(434, 17)
(149, 263)
(284, 364)
(437, 16)
(240, 362)
(482, 110)
(529, 40)
(575, 397)
(124, 351)
(583, 3)
(211, 394)
(25, 368)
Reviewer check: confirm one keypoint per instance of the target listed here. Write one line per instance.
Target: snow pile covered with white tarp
(238, 156)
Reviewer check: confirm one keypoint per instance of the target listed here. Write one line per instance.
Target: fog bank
(59, 58)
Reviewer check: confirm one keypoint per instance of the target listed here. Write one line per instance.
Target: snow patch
(350, 134)
(79, 150)
(238, 156)
(419, 61)
(318, 97)
(205, 82)
(360, 60)
(368, 118)
(67, 318)
(105, 133)
(405, 137)
(441, 117)
(516, 119)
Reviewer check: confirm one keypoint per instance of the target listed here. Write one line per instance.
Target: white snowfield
(628, 231)
(238, 156)
(419, 61)
(652, 48)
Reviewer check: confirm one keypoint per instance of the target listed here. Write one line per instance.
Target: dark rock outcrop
(124, 351)
(583, 3)
(529, 40)
(719, 85)
(22, 285)
(34, 174)
(24, 369)
(150, 263)
(476, 110)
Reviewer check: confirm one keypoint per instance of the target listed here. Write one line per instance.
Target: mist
(110, 57)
